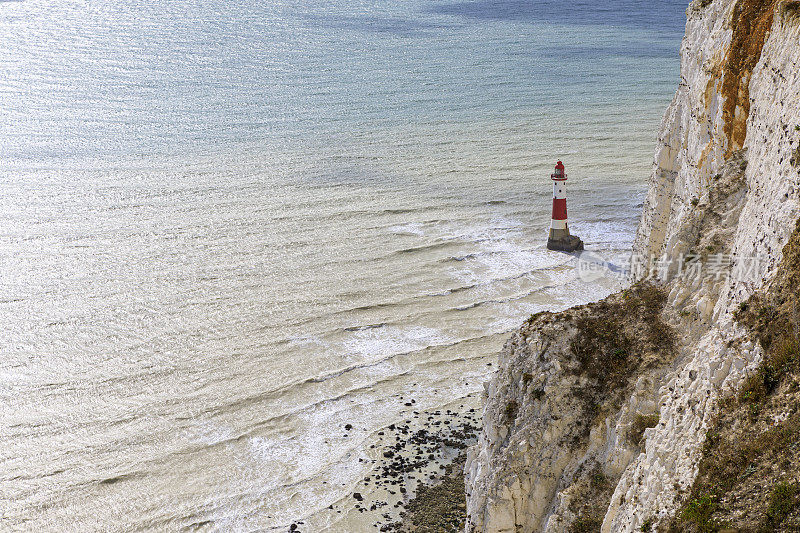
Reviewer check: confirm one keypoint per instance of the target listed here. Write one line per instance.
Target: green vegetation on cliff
(749, 474)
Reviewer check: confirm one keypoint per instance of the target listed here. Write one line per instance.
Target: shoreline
(438, 507)
(416, 475)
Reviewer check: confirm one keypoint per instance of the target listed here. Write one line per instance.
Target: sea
(228, 229)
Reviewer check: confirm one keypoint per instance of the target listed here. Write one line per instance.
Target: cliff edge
(602, 417)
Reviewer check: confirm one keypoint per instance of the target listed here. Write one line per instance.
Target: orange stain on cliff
(751, 22)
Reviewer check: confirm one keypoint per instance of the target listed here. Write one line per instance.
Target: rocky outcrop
(571, 389)
(570, 243)
(556, 453)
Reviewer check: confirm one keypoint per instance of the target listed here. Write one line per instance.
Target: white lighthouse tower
(559, 238)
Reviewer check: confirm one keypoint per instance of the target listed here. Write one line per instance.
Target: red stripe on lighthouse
(559, 209)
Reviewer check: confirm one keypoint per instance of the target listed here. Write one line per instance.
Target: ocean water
(227, 229)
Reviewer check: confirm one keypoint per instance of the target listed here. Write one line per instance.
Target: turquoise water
(112, 80)
(229, 228)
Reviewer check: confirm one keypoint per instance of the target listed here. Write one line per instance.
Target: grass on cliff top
(621, 333)
(749, 472)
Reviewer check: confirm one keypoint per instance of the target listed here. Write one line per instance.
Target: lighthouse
(560, 239)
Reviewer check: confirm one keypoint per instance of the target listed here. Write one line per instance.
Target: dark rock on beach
(418, 473)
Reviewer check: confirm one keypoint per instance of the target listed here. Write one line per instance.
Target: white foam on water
(513, 318)
(307, 342)
(612, 234)
(391, 340)
(411, 228)
(501, 255)
(289, 467)
(208, 433)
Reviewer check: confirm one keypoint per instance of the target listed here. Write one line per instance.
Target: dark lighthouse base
(567, 243)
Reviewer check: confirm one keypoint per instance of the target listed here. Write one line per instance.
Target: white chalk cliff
(607, 444)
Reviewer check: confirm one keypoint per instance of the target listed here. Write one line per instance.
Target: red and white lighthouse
(560, 239)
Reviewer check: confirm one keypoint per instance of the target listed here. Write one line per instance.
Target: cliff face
(593, 423)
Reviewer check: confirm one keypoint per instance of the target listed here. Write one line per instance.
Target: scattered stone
(439, 508)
